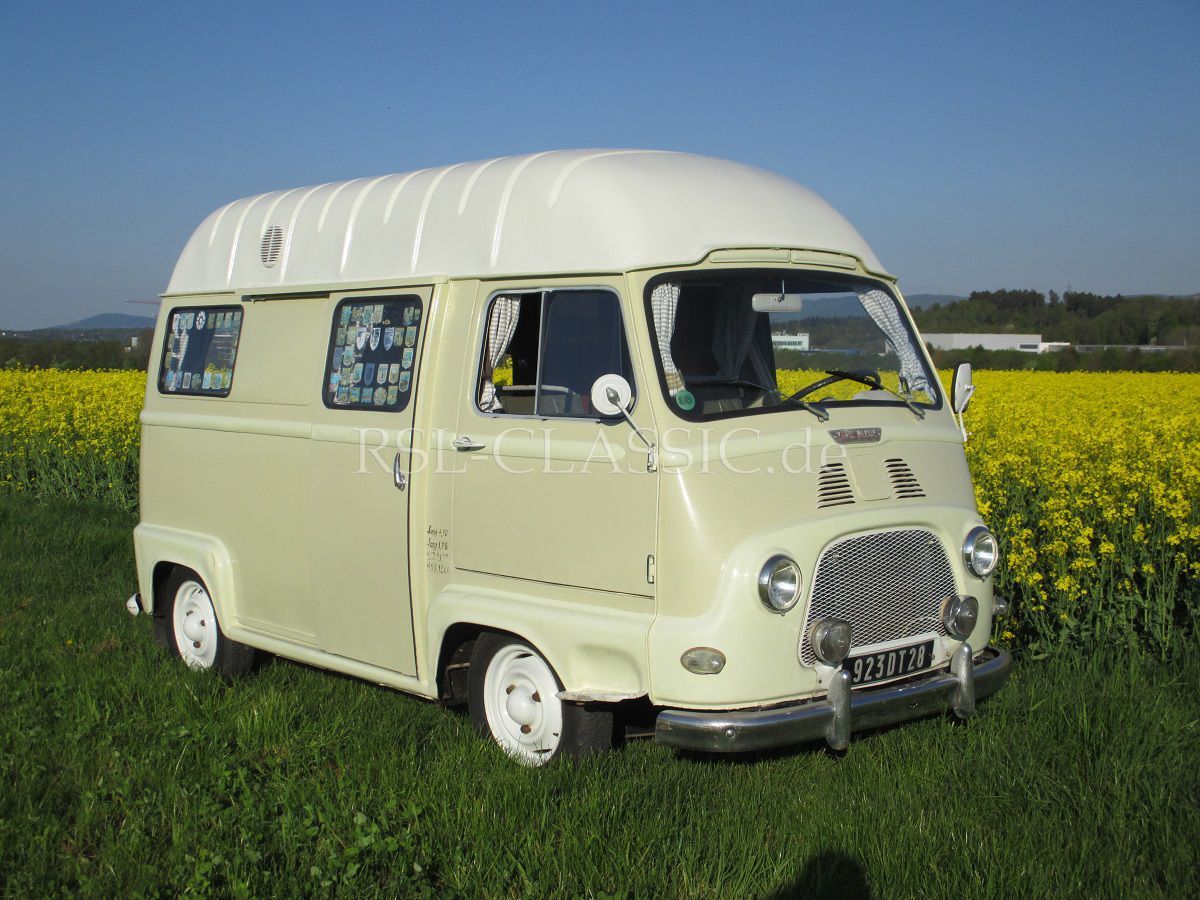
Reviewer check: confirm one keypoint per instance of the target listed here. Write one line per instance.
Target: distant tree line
(57, 353)
(1075, 317)
(1111, 359)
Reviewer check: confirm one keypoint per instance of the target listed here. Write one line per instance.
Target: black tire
(208, 647)
(555, 727)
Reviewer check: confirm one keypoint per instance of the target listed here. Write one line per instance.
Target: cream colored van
(583, 440)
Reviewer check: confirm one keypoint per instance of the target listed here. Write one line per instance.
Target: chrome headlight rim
(971, 545)
(837, 634)
(960, 615)
(767, 580)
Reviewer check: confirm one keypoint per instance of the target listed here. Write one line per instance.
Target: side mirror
(961, 388)
(611, 395)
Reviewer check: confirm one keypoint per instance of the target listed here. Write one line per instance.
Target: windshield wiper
(876, 384)
(870, 379)
(815, 409)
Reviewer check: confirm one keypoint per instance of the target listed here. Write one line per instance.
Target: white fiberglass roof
(565, 211)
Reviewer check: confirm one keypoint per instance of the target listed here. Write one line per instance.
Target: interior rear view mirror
(769, 303)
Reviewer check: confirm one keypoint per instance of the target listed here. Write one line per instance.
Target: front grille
(887, 584)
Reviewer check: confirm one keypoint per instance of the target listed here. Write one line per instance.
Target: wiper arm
(818, 411)
(876, 384)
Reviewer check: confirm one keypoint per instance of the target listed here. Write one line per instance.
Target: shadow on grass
(830, 874)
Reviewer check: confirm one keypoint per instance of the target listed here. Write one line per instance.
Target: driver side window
(543, 350)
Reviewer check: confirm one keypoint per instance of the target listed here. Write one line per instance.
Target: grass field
(121, 772)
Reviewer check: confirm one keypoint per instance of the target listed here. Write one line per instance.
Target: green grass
(123, 773)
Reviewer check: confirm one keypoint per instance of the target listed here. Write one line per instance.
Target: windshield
(720, 353)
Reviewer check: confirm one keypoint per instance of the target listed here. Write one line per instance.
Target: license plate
(888, 663)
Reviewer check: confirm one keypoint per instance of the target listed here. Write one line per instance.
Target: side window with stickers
(199, 350)
(372, 348)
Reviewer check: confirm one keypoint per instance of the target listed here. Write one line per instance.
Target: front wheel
(191, 630)
(514, 700)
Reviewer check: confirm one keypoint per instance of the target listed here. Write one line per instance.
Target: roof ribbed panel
(562, 211)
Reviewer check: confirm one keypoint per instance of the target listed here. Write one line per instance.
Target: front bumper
(842, 711)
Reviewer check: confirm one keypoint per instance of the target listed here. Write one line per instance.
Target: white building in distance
(1029, 343)
(790, 342)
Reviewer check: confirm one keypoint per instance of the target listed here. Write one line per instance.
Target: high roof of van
(564, 211)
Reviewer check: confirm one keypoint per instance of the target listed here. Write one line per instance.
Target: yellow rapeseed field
(1090, 480)
(71, 434)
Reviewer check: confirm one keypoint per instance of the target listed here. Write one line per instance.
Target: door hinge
(651, 569)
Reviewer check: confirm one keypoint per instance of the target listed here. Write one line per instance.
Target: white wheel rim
(195, 625)
(520, 699)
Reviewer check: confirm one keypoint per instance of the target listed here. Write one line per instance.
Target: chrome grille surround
(887, 584)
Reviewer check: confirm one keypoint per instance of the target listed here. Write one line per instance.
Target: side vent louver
(904, 482)
(272, 243)
(833, 486)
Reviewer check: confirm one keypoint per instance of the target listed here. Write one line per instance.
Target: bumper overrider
(842, 710)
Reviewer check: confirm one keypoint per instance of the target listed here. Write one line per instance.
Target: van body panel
(538, 498)
(359, 538)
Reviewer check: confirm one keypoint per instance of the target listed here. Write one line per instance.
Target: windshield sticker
(685, 401)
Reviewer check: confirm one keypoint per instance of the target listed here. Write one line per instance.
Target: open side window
(543, 350)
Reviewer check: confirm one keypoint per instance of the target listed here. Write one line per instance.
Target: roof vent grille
(904, 482)
(833, 486)
(272, 243)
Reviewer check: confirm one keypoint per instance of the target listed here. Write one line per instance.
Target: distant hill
(106, 320)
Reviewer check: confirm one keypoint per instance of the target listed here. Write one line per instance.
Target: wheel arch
(596, 652)
(160, 550)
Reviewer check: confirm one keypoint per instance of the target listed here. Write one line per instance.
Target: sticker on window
(199, 351)
(371, 350)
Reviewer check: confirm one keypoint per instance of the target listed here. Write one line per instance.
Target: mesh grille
(272, 243)
(833, 486)
(904, 482)
(887, 585)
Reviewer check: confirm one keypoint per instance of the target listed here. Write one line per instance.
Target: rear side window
(543, 350)
(199, 350)
(372, 350)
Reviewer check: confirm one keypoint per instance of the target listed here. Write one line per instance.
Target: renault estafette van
(560, 436)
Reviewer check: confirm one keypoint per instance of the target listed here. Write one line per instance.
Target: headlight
(960, 615)
(830, 640)
(779, 584)
(980, 552)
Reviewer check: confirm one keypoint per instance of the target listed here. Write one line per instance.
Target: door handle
(464, 443)
(398, 476)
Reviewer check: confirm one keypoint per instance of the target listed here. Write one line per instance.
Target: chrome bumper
(842, 711)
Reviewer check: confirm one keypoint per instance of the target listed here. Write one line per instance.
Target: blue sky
(975, 146)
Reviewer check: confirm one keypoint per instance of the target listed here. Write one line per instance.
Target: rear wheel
(189, 625)
(514, 700)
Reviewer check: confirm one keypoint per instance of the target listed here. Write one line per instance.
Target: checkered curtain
(882, 308)
(664, 300)
(502, 325)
